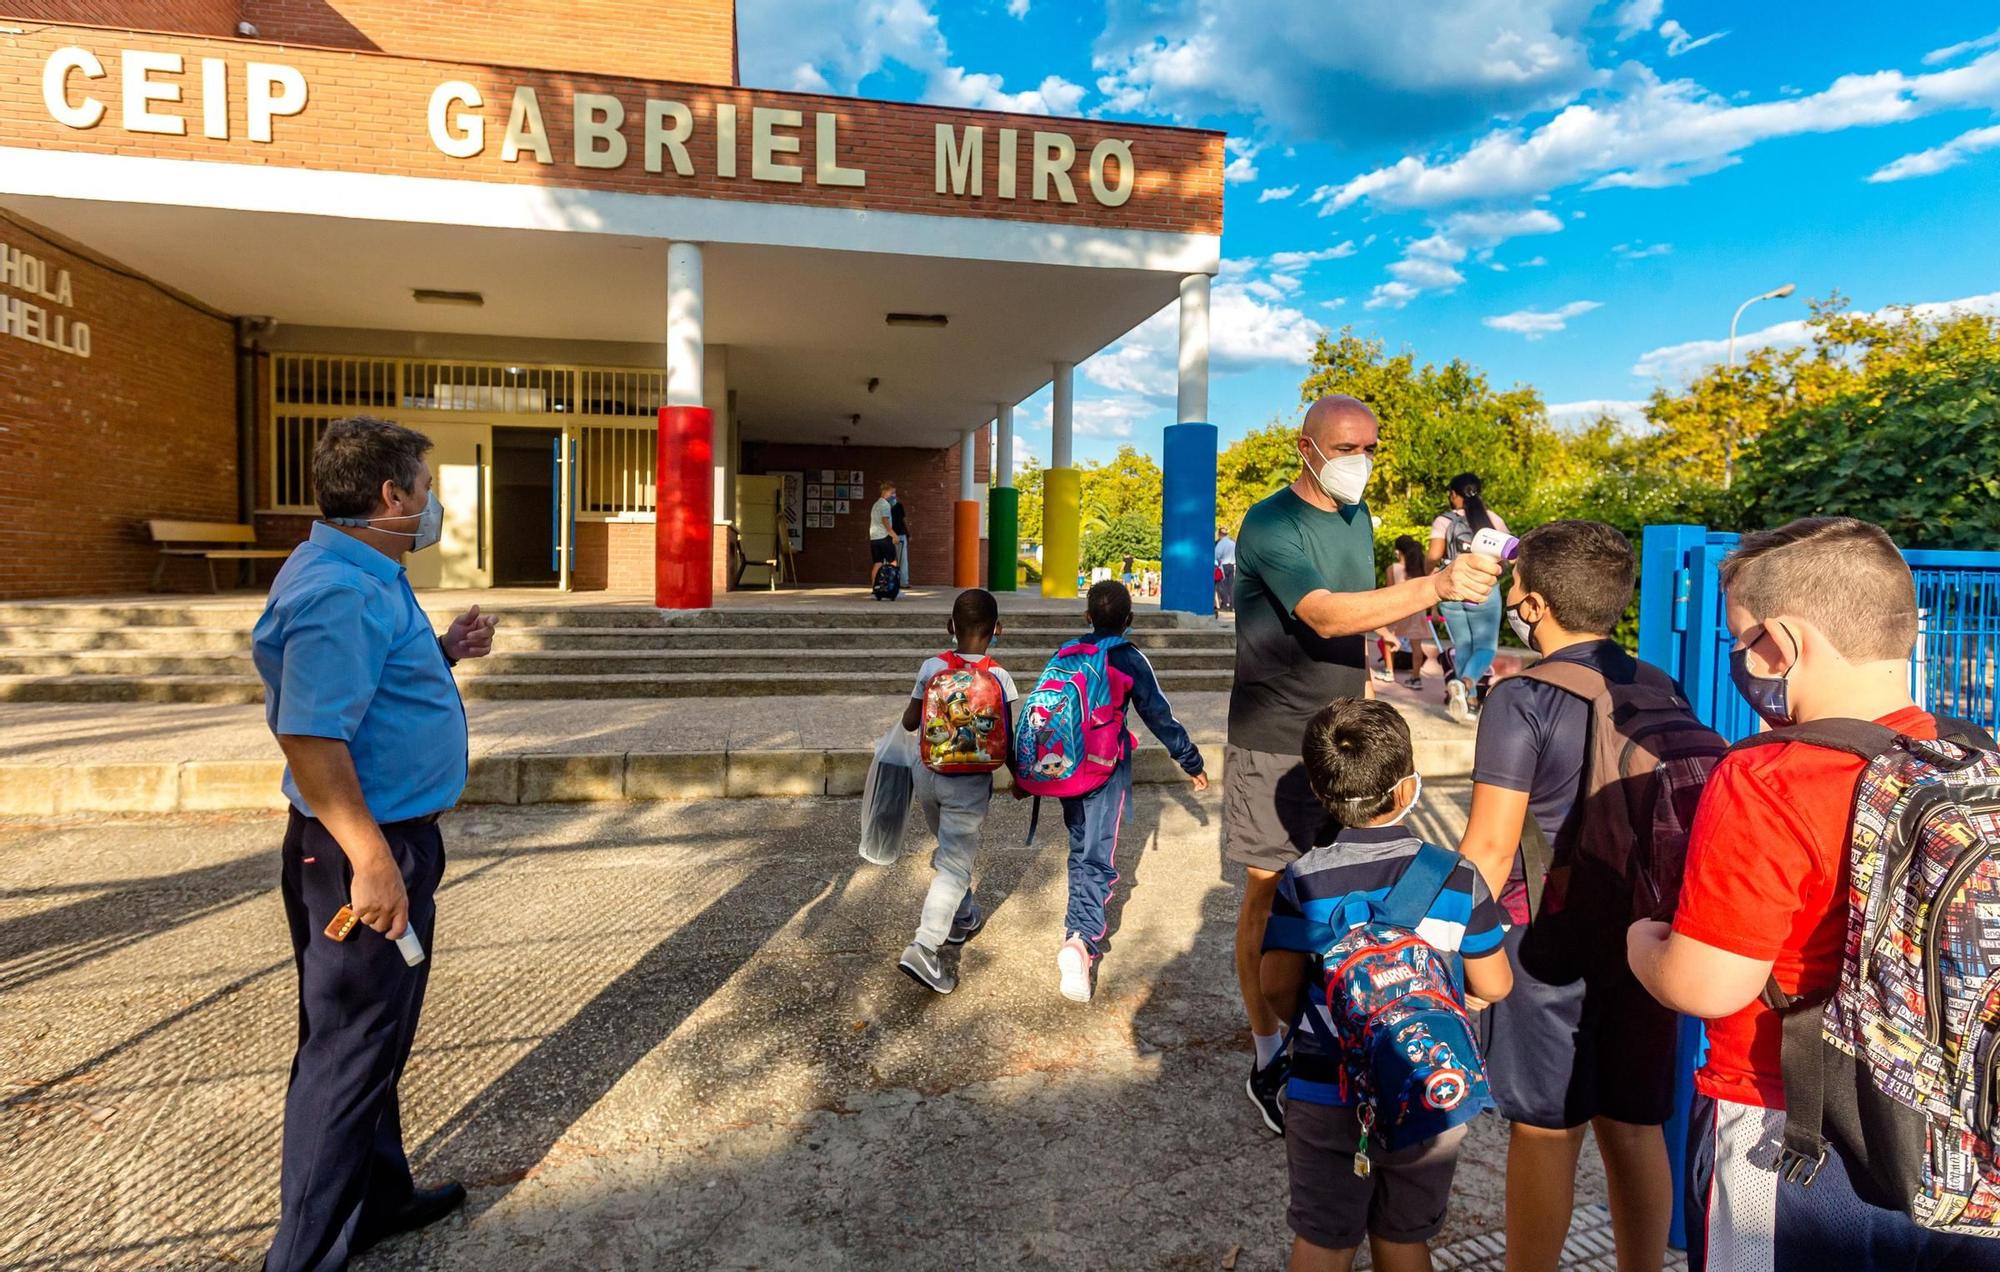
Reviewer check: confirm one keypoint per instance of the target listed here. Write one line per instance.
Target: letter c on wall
(55, 87)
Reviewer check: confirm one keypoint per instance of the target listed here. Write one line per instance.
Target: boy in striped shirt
(1358, 759)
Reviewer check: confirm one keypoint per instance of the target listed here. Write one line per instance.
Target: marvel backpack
(1408, 1051)
(1071, 733)
(1646, 760)
(962, 727)
(888, 581)
(1900, 1066)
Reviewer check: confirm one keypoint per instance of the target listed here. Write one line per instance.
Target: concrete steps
(200, 653)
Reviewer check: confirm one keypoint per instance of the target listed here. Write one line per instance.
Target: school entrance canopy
(647, 281)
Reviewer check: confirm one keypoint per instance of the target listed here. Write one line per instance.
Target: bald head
(1338, 420)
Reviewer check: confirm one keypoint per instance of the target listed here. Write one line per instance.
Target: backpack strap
(1034, 820)
(1802, 1061)
(953, 660)
(1423, 879)
(1571, 677)
(1965, 733)
(1863, 738)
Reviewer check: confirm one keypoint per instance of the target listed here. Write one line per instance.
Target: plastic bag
(886, 794)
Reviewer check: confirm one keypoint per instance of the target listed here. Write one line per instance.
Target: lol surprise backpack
(1072, 727)
(963, 728)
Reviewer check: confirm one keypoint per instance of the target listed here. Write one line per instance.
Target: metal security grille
(597, 408)
(616, 466)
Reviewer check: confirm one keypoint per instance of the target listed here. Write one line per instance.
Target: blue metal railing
(1683, 632)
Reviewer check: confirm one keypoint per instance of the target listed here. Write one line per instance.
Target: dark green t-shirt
(1284, 671)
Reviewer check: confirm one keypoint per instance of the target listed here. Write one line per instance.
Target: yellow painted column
(1062, 520)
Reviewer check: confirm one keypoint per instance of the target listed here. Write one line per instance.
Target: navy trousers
(344, 1168)
(1093, 821)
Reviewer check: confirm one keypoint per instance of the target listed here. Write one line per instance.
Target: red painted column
(684, 520)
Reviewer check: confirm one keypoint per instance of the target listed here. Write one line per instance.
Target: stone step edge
(203, 786)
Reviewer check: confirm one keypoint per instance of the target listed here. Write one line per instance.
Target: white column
(684, 338)
(1003, 446)
(1193, 396)
(1060, 415)
(968, 457)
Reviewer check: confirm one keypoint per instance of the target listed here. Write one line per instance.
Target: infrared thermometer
(1497, 544)
(412, 948)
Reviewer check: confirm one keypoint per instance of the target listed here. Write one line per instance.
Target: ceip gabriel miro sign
(605, 131)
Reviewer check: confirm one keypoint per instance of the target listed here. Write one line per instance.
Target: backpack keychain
(1362, 1166)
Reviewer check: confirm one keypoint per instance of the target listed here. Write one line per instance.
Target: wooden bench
(210, 540)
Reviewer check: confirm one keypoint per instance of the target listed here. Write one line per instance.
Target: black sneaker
(1266, 1088)
(425, 1207)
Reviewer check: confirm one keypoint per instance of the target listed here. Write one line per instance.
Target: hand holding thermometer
(345, 921)
(1498, 544)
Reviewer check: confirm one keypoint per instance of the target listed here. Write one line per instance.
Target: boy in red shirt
(1824, 615)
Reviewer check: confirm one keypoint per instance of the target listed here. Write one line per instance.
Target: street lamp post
(1729, 443)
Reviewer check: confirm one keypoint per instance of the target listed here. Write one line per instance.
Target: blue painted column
(1187, 508)
(1187, 519)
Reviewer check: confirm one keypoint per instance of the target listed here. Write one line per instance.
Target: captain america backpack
(1397, 1015)
(1071, 733)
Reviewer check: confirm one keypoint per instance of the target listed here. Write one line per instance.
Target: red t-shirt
(1767, 879)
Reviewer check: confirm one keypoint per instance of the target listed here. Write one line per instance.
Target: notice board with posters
(791, 502)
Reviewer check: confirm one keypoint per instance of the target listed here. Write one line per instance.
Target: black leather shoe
(425, 1207)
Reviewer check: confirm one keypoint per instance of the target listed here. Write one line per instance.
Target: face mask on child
(1416, 793)
(1769, 696)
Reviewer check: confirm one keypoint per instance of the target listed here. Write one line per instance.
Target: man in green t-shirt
(1305, 599)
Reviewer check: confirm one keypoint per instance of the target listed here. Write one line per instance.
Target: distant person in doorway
(1225, 571)
(884, 544)
(360, 696)
(1474, 625)
(899, 523)
(1128, 574)
(1306, 597)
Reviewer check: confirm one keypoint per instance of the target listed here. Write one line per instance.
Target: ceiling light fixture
(432, 296)
(916, 320)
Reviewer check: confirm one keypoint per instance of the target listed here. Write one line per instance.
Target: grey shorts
(1269, 814)
(1402, 1198)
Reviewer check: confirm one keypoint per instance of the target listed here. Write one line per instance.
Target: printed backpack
(1072, 727)
(1622, 856)
(963, 726)
(888, 582)
(1409, 1055)
(1900, 1066)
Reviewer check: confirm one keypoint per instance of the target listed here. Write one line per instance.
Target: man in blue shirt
(359, 693)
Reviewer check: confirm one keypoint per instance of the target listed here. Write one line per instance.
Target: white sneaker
(1073, 961)
(1454, 701)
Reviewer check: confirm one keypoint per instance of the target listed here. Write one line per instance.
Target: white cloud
(1251, 324)
(1391, 296)
(1272, 193)
(955, 86)
(1644, 132)
(1017, 8)
(1343, 72)
(1427, 263)
(1680, 40)
(1924, 163)
(1635, 16)
(1680, 363)
(1299, 260)
(1242, 165)
(832, 45)
(1535, 323)
(1533, 262)
(1573, 416)
(1333, 303)
(1108, 417)
(1952, 52)
(1640, 251)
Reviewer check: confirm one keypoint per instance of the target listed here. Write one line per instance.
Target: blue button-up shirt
(346, 652)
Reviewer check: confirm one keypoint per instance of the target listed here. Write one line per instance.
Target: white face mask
(430, 524)
(1416, 793)
(1343, 479)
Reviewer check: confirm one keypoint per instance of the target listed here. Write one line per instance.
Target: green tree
(1128, 534)
(1251, 467)
(1028, 480)
(1912, 442)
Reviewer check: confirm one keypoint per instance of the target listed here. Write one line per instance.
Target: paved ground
(661, 1036)
(109, 732)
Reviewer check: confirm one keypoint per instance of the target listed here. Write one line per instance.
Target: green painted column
(1003, 538)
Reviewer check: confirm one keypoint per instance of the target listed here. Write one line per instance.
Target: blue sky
(1568, 194)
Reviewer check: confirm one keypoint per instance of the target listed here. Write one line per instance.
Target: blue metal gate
(1682, 630)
